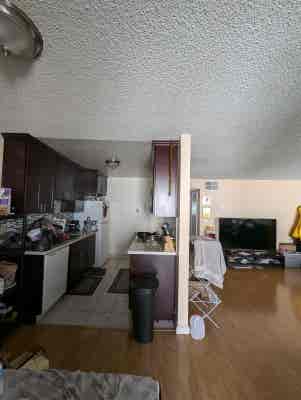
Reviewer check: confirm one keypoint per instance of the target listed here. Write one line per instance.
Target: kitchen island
(150, 257)
(150, 247)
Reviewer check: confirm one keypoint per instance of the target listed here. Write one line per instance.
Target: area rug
(59, 384)
(89, 282)
(121, 282)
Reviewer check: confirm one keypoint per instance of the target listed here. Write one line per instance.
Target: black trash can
(149, 274)
(143, 290)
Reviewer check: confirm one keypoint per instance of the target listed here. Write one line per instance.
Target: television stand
(251, 258)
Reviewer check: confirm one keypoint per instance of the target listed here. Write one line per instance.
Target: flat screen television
(243, 233)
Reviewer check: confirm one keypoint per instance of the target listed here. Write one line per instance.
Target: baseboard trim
(183, 330)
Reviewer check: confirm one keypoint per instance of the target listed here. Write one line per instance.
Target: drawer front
(55, 277)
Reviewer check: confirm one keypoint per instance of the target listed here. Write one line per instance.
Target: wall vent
(211, 185)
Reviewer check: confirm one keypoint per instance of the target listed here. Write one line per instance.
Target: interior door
(195, 212)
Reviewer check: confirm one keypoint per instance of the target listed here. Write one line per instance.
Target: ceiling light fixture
(113, 162)
(19, 36)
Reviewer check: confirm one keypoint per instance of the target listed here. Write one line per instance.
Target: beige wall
(130, 211)
(255, 199)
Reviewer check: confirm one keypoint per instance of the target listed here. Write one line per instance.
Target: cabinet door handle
(170, 169)
(39, 205)
(52, 200)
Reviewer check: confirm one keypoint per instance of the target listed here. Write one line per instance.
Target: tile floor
(102, 309)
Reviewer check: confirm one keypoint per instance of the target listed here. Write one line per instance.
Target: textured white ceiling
(228, 72)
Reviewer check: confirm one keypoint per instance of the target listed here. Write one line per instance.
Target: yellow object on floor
(36, 361)
(296, 231)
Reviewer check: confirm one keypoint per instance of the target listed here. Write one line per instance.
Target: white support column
(183, 235)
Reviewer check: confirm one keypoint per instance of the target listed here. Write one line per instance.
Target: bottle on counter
(87, 225)
(169, 244)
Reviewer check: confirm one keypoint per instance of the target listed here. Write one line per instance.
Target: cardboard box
(292, 260)
(5, 201)
(287, 247)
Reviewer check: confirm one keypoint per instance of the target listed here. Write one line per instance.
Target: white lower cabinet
(55, 277)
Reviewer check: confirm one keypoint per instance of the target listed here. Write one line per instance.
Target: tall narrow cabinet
(165, 178)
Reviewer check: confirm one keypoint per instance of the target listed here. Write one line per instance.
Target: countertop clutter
(151, 247)
(59, 246)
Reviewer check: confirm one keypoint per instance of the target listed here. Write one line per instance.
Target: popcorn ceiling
(228, 72)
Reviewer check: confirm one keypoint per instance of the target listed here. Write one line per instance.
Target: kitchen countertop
(151, 248)
(59, 246)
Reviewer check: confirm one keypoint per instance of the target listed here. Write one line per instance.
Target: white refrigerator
(96, 211)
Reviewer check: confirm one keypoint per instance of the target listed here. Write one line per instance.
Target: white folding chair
(203, 298)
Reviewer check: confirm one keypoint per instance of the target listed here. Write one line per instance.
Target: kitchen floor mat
(121, 282)
(89, 282)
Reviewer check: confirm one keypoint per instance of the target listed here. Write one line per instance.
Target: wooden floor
(256, 355)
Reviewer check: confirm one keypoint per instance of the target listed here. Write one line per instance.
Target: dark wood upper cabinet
(34, 169)
(47, 193)
(165, 178)
(66, 172)
(85, 183)
(40, 178)
(15, 158)
(28, 169)
(38, 175)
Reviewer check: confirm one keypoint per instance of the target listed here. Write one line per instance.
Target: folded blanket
(59, 384)
(209, 262)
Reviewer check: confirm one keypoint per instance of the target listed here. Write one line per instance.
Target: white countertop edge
(59, 247)
(153, 253)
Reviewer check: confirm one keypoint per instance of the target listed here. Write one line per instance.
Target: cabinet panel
(75, 267)
(48, 180)
(91, 251)
(165, 268)
(55, 277)
(40, 178)
(13, 170)
(34, 177)
(70, 176)
(38, 175)
(165, 174)
(86, 183)
(28, 168)
(81, 257)
(59, 178)
(65, 179)
(32, 285)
